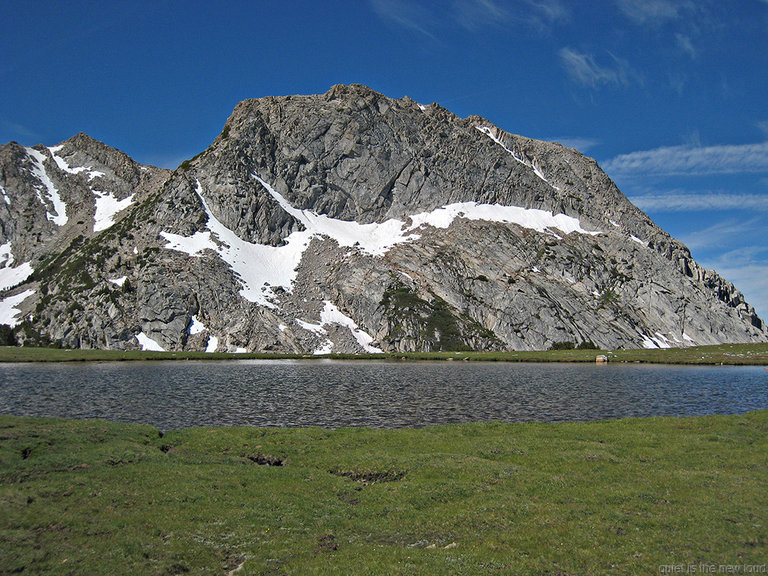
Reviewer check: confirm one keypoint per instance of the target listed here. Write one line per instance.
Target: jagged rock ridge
(346, 222)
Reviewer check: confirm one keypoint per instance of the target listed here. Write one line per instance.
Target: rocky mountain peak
(352, 92)
(348, 221)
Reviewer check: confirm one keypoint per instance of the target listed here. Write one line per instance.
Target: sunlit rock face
(345, 222)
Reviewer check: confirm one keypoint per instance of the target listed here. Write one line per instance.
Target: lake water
(381, 394)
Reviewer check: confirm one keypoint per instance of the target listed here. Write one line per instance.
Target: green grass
(736, 354)
(616, 497)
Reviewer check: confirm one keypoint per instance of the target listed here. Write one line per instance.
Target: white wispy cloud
(428, 19)
(478, 13)
(20, 131)
(677, 81)
(583, 69)
(644, 12)
(679, 201)
(541, 14)
(408, 15)
(552, 10)
(535, 14)
(730, 232)
(693, 139)
(685, 44)
(691, 160)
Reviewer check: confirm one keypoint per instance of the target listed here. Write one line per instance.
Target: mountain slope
(350, 221)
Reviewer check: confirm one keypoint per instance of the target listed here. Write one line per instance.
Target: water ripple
(379, 394)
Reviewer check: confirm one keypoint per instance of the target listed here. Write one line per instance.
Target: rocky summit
(345, 222)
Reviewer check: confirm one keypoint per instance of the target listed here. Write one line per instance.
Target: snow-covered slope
(47, 192)
(261, 267)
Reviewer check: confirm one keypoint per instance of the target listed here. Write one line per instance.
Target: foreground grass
(617, 497)
(735, 354)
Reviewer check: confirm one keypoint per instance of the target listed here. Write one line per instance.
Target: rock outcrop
(346, 222)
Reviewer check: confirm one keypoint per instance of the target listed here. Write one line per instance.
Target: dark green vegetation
(439, 326)
(617, 497)
(566, 345)
(729, 354)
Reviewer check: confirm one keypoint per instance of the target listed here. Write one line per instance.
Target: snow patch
(62, 164)
(148, 344)
(5, 196)
(6, 256)
(316, 328)
(326, 348)
(107, 207)
(636, 239)
(538, 172)
(195, 326)
(375, 239)
(532, 218)
(241, 350)
(8, 310)
(615, 223)
(10, 277)
(213, 344)
(119, 281)
(193, 245)
(282, 327)
(332, 315)
(659, 341)
(38, 171)
(490, 133)
(260, 268)
(663, 341)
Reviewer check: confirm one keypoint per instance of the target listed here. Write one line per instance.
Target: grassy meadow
(613, 497)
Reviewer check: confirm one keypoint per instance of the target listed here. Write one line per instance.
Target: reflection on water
(380, 394)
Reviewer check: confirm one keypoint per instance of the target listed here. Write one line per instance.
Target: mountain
(345, 222)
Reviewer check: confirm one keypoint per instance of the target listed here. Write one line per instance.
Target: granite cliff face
(346, 222)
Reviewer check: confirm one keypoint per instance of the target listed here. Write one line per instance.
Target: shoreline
(722, 354)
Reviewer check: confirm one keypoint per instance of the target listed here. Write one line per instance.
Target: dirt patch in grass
(370, 476)
(264, 459)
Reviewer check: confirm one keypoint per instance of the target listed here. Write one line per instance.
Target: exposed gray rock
(208, 257)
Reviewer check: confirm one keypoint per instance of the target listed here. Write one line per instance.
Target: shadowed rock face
(346, 222)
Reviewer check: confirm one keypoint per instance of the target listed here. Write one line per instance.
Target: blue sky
(670, 96)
